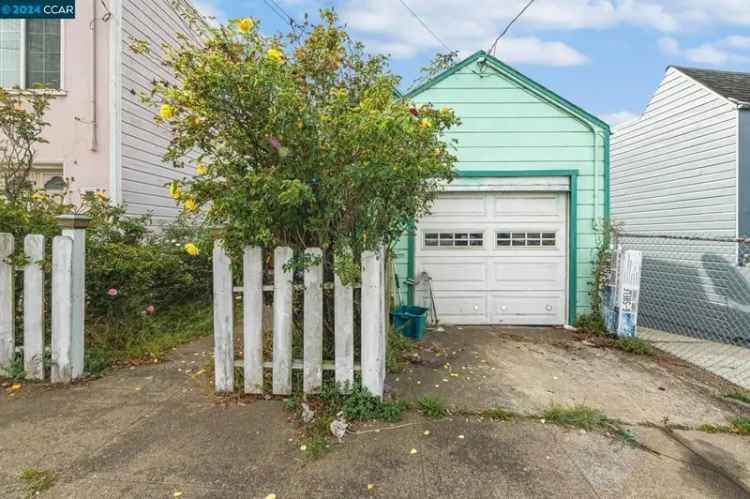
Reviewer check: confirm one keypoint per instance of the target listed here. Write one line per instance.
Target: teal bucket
(410, 321)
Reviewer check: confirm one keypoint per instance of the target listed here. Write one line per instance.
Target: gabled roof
(519, 78)
(731, 85)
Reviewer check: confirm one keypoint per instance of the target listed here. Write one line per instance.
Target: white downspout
(94, 141)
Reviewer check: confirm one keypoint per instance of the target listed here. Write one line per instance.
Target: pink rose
(150, 310)
(112, 292)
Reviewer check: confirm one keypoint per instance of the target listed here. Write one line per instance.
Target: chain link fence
(695, 299)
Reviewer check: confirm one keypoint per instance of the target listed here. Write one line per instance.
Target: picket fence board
(343, 313)
(33, 307)
(223, 320)
(62, 309)
(313, 323)
(282, 322)
(300, 364)
(7, 319)
(373, 328)
(252, 280)
(79, 299)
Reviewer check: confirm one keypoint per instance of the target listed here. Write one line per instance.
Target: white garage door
(495, 258)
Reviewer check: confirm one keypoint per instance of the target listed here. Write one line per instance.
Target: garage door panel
(541, 206)
(533, 308)
(529, 274)
(457, 206)
(461, 308)
(455, 275)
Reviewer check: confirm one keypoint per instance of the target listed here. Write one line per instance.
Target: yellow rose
(425, 123)
(166, 111)
(39, 196)
(246, 24)
(175, 191)
(445, 110)
(201, 169)
(192, 249)
(101, 196)
(275, 55)
(191, 205)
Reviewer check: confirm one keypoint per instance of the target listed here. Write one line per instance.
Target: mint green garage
(512, 239)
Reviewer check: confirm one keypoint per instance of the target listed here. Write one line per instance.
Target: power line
(494, 45)
(424, 25)
(279, 11)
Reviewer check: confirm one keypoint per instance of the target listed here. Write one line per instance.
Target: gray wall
(144, 174)
(744, 169)
(674, 168)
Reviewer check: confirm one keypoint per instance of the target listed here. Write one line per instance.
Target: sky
(607, 56)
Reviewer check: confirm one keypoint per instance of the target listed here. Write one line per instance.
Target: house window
(56, 183)
(526, 239)
(462, 239)
(30, 53)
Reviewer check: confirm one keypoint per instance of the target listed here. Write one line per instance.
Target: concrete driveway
(157, 431)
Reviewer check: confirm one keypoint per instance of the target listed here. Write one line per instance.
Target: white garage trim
(509, 184)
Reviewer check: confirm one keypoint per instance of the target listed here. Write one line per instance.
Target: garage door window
(526, 239)
(453, 239)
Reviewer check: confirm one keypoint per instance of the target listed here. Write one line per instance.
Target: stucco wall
(505, 126)
(70, 139)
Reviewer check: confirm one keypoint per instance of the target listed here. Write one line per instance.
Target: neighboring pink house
(101, 136)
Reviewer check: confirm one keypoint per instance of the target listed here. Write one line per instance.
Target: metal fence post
(74, 226)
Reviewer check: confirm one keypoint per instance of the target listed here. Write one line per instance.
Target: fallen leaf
(461, 437)
(370, 486)
(16, 387)
(413, 451)
(177, 494)
(271, 496)
(427, 433)
(303, 448)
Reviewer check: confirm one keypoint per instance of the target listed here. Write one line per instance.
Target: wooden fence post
(62, 309)
(313, 324)
(343, 310)
(74, 227)
(252, 291)
(223, 320)
(33, 307)
(7, 303)
(282, 322)
(373, 326)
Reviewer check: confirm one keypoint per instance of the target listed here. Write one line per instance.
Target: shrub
(634, 345)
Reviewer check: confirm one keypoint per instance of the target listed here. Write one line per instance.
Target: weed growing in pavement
(589, 419)
(498, 414)
(634, 345)
(741, 425)
(15, 369)
(36, 481)
(432, 407)
(741, 396)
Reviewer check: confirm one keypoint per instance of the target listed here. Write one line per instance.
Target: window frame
(22, 84)
(453, 246)
(526, 238)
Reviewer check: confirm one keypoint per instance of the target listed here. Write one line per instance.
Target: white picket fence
(373, 329)
(67, 305)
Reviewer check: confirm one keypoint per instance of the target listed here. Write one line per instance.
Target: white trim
(115, 104)
(509, 184)
(22, 83)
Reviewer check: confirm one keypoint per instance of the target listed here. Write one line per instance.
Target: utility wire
(512, 21)
(424, 25)
(279, 11)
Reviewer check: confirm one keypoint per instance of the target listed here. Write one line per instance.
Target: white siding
(144, 174)
(674, 168)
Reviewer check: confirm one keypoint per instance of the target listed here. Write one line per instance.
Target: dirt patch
(529, 369)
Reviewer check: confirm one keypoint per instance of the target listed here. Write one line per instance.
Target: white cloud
(619, 117)
(712, 53)
(210, 9)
